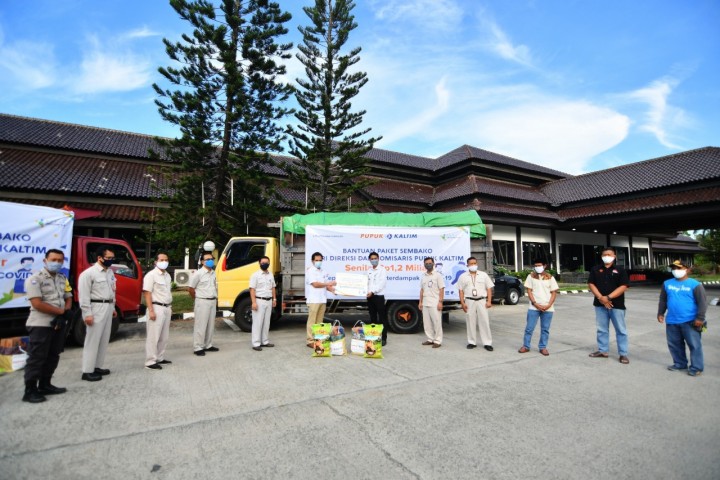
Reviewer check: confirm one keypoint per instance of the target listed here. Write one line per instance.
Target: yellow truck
(403, 240)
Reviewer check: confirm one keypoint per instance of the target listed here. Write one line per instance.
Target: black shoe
(384, 342)
(199, 353)
(47, 388)
(470, 346)
(91, 377)
(102, 371)
(257, 349)
(164, 362)
(489, 348)
(267, 345)
(154, 366)
(33, 396)
(212, 349)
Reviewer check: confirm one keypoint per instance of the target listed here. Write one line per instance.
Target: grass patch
(566, 287)
(705, 278)
(182, 302)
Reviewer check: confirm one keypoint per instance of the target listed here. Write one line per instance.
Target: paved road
(419, 413)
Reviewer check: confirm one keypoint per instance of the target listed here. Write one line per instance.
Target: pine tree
(227, 104)
(328, 141)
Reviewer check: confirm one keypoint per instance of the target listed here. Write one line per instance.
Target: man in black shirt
(608, 283)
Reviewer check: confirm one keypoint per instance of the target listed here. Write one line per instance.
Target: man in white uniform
(377, 281)
(475, 289)
(158, 298)
(432, 292)
(203, 290)
(96, 289)
(264, 299)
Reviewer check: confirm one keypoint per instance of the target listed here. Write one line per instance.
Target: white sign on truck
(27, 232)
(402, 249)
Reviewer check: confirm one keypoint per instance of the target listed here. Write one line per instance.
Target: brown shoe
(598, 354)
(311, 345)
(427, 342)
(523, 350)
(436, 345)
(545, 352)
(624, 360)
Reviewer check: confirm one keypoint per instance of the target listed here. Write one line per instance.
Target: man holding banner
(377, 281)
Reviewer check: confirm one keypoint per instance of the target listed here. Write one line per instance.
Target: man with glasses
(96, 289)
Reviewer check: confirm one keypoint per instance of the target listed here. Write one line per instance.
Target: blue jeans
(603, 317)
(532, 318)
(678, 335)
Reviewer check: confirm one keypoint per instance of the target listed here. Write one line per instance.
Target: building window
(571, 257)
(621, 256)
(504, 251)
(641, 258)
(533, 251)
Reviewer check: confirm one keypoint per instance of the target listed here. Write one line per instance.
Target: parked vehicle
(508, 289)
(288, 262)
(28, 231)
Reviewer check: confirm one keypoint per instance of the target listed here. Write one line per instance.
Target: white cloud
(557, 133)
(430, 14)
(660, 117)
(111, 69)
(420, 122)
(501, 45)
(27, 65)
(141, 32)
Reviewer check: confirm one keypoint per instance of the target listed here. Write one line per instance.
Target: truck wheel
(404, 317)
(275, 317)
(243, 315)
(78, 330)
(512, 297)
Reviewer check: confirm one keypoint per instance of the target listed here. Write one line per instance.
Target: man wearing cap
(682, 308)
(96, 292)
(158, 299)
(203, 290)
(264, 299)
(50, 299)
(608, 283)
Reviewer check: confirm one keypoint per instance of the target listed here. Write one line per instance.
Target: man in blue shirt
(685, 302)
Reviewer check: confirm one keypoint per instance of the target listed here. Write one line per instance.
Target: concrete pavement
(418, 413)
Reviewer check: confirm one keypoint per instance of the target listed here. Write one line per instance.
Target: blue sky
(572, 85)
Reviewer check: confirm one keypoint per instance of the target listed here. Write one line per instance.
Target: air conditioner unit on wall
(182, 277)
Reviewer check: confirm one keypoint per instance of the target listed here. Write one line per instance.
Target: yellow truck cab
(239, 260)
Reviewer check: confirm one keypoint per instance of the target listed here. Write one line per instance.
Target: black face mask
(428, 266)
(108, 263)
(264, 266)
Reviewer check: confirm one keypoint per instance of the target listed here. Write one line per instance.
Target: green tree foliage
(710, 240)
(328, 141)
(226, 100)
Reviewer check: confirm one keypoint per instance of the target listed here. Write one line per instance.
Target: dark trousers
(376, 308)
(46, 345)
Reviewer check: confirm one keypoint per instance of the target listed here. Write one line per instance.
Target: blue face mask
(374, 262)
(318, 264)
(210, 263)
(53, 267)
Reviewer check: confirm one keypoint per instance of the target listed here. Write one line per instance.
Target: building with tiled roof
(530, 210)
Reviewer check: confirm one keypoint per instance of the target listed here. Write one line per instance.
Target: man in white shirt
(203, 290)
(264, 299)
(542, 290)
(158, 299)
(475, 290)
(432, 292)
(316, 288)
(377, 281)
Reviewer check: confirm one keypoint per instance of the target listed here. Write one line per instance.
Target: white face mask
(318, 264)
(679, 273)
(472, 268)
(608, 260)
(539, 269)
(163, 265)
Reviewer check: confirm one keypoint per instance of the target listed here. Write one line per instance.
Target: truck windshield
(243, 252)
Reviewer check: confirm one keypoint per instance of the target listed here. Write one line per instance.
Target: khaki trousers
(158, 332)
(204, 326)
(478, 320)
(316, 313)
(97, 336)
(432, 323)
(261, 323)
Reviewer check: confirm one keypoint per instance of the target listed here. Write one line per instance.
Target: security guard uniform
(204, 282)
(46, 342)
(96, 289)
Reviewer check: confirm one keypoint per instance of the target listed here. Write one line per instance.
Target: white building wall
(502, 232)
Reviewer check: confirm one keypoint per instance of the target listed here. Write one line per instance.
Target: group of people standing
(682, 307)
